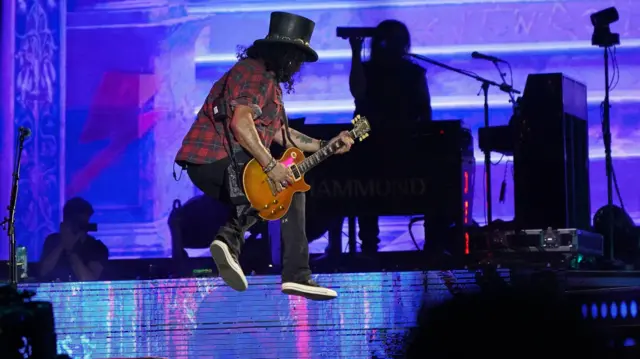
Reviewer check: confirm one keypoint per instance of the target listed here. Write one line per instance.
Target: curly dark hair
(284, 60)
(392, 39)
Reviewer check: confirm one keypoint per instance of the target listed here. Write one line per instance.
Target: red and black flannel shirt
(249, 84)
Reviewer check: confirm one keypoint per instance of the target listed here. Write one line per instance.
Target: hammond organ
(426, 169)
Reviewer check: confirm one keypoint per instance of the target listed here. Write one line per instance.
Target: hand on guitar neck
(282, 176)
(346, 141)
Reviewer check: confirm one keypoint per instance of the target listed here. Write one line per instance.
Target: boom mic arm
(477, 55)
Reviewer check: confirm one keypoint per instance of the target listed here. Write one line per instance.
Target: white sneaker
(308, 289)
(228, 266)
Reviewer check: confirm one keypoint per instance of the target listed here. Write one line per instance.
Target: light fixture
(602, 35)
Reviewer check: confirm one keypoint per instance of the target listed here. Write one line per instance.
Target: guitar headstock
(361, 128)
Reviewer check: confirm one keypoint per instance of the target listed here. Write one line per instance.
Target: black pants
(294, 244)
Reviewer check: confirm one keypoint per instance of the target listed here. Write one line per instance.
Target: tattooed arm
(302, 141)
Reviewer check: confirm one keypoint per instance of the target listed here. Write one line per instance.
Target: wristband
(323, 143)
(271, 165)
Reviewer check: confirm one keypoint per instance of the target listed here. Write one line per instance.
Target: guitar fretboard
(322, 154)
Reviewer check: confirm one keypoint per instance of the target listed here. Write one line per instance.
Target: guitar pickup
(296, 172)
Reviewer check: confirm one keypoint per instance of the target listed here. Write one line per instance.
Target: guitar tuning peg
(353, 121)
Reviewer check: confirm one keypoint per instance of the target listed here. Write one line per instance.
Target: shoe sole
(311, 293)
(228, 269)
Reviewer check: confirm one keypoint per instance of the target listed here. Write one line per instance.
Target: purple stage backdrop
(110, 99)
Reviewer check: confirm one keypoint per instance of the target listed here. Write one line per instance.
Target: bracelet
(271, 165)
(323, 143)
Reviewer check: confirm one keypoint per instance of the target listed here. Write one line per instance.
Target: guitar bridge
(295, 171)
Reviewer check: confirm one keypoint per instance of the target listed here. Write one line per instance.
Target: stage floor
(202, 318)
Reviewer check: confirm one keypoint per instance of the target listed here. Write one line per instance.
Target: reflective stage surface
(202, 318)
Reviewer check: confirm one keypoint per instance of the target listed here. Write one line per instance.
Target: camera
(355, 32)
(90, 227)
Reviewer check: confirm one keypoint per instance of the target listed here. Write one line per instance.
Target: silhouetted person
(72, 254)
(391, 91)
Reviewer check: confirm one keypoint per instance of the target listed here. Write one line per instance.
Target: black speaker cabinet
(551, 158)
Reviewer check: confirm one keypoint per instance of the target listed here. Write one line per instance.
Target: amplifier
(567, 242)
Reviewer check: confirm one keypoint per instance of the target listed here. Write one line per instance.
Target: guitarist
(215, 149)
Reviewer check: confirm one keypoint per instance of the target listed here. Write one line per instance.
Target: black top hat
(291, 29)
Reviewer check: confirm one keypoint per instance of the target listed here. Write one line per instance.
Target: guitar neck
(321, 155)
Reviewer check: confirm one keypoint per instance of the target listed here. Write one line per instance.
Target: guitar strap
(234, 171)
(237, 196)
(286, 135)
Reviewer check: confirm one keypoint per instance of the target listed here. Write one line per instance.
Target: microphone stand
(485, 91)
(606, 136)
(9, 222)
(504, 81)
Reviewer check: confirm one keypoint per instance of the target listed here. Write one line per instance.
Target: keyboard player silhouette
(391, 91)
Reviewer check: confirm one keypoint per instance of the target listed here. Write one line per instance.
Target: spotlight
(605, 17)
(602, 35)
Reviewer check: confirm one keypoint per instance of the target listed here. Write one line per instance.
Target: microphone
(24, 131)
(477, 55)
(355, 32)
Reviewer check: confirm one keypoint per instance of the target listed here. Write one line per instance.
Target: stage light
(605, 17)
(523, 47)
(346, 106)
(602, 35)
(614, 310)
(297, 6)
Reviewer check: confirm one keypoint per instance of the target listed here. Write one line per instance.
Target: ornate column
(38, 102)
(130, 102)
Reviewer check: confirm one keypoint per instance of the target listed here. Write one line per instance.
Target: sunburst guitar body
(260, 190)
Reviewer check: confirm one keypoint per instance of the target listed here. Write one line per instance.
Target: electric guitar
(261, 190)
